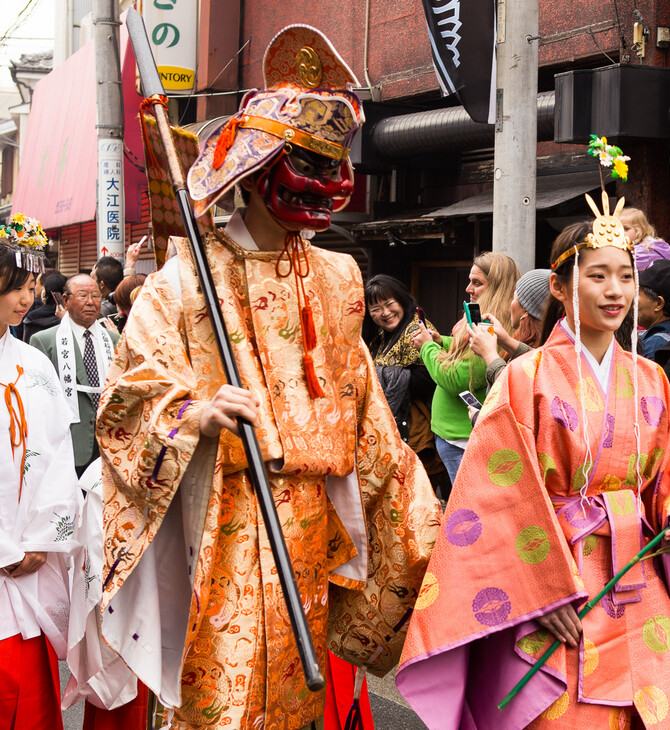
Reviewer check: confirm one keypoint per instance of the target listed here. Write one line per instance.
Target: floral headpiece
(607, 229)
(609, 156)
(27, 239)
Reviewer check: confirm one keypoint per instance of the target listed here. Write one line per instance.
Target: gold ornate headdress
(26, 238)
(607, 230)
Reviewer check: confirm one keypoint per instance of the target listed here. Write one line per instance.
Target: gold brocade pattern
(241, 666)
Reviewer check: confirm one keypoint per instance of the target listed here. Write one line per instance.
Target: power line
(27, 11)
(26, 38)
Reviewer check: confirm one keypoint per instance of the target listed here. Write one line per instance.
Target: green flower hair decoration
(609, 156)
(27, 239)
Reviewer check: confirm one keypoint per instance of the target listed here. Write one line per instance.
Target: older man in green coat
(81, 351)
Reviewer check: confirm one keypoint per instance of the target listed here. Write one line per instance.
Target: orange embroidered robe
(192, 600)
(518, 541)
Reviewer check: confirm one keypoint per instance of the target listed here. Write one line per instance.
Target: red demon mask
(303, 189)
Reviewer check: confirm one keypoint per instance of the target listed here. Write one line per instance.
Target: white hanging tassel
(633, 342)
(588, 457)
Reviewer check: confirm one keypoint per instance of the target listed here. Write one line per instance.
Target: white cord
(633, 342)
(588, 457)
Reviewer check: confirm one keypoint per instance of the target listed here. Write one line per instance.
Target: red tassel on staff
(313, 384)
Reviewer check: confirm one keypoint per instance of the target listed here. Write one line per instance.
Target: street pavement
(389, 709)
(74, 717)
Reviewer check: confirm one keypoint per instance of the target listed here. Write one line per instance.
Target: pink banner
(58, 170)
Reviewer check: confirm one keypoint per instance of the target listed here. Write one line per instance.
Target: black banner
(462, 38)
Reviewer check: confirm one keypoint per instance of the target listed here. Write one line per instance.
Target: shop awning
(58, 169)
(551, 190)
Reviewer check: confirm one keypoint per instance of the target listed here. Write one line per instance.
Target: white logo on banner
(450, 34)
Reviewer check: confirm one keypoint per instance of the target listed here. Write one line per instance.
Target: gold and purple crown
(607, 230)
(307, 102)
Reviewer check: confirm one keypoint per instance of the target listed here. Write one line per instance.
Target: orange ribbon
(294, 253)
(18, 426)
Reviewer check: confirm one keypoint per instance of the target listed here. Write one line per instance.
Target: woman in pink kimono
(564, 480)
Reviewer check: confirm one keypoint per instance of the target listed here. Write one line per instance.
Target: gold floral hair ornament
(607, 230)
(27, 239)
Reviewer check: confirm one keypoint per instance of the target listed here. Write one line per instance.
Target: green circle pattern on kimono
(505, 467)
(656, 634)
(532, 545)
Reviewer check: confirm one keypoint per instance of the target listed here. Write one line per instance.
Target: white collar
(601, 369)
(236, 228)
(78, 329)
(4, 340)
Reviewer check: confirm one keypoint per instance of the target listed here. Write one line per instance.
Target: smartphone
(421, 315)
(58, 298)
(469, 399)
(472, 313)
(138, 246)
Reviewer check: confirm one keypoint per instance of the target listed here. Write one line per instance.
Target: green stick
(593, 602)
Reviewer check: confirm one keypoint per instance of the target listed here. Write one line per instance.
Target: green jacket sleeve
(454, 378)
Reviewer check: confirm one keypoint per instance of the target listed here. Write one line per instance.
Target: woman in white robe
(39, 504)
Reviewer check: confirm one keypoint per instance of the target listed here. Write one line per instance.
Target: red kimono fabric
(29, 684)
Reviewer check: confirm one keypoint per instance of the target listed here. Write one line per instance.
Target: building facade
(424, 169)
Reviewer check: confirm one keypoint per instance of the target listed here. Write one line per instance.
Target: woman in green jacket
(451, 363)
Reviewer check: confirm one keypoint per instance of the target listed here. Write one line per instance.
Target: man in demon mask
(356, 508)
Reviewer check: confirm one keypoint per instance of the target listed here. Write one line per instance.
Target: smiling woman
(39, 503)
(392, 318)
(565, 478)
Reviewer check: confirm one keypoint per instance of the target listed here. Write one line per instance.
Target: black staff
(153, 89)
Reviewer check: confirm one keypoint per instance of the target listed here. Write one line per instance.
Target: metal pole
(111, 219)
(515, 156)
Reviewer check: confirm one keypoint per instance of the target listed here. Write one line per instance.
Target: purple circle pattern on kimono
(652, 409)
(491, 606)
(564, 413)
(463, 528)
(612, 610)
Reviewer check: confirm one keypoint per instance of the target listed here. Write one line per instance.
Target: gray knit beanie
(532, 291)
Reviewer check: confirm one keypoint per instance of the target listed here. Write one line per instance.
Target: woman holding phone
(46, 315)
(566, 480)
(526, 309)
(451, 363)
(39, 500)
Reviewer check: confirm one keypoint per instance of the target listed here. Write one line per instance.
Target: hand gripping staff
(587, 607)
(153, 89)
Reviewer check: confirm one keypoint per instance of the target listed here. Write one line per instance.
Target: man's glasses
(83, 296)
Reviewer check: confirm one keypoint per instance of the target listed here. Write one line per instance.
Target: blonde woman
(452, 364)
(648, 247)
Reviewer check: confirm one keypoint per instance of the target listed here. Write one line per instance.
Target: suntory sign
(172, 27)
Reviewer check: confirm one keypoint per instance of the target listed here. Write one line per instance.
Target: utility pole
(111, 219)
(515, 156)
